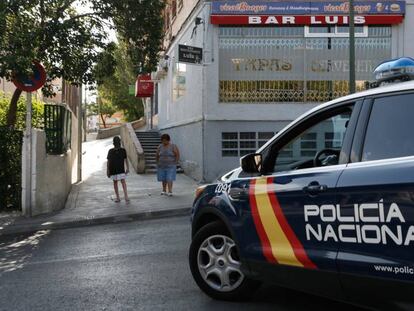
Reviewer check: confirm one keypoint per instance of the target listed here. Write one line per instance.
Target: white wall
(51, 177)
(187, 108)
(188, 139)
(215, 164)
(403, 44)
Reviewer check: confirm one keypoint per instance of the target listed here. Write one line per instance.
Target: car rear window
(390, 132)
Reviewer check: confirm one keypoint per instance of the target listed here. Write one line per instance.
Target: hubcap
(219, 264)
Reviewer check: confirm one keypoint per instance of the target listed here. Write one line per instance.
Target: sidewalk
(91, 201)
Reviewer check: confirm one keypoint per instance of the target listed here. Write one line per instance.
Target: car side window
(390, 128)
(317, 145)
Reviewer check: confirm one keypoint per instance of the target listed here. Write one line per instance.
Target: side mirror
(251, 163)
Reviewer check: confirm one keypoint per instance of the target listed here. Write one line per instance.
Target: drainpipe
(152, 111)
(27, 159)
(203, 97)
(351, 47)
(79, 175)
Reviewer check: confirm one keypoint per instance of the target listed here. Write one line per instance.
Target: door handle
(315, 188)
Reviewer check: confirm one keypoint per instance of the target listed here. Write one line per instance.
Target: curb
(114, 219)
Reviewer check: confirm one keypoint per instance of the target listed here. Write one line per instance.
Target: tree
(141, 31)
(114, 88)
(102, 108)
(68, 42)
(52, 32)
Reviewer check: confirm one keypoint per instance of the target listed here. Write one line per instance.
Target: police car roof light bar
(400, 69)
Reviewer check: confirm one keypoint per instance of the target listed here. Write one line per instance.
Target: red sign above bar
(313, 20)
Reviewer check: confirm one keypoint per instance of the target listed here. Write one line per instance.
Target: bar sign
(190, 54)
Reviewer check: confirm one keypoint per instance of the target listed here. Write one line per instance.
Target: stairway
(150, 140)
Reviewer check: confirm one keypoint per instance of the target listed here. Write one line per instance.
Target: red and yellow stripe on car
(279, 242)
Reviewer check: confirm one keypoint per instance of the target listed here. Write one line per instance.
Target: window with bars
(326, 134)
(295, 64)
(238, 144)
(335, 31)
(308, 145)
(173, 9)
(167, 21)
(333, 141)
(230, 144)
(58, 129)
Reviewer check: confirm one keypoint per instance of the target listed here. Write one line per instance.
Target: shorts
(118, 176)
(167, 174)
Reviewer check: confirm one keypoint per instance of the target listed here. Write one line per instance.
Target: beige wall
(172, 29)
(7, 87)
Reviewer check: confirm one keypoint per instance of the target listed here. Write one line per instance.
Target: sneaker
(170, 194)
(163, 193)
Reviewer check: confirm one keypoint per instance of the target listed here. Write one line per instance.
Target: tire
(214, 264)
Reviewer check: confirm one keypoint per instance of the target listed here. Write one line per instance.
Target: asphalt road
(129, 266)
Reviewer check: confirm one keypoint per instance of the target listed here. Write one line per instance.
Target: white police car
(326, 206)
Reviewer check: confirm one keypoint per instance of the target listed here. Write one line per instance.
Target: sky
(85, 9)
(90, 96)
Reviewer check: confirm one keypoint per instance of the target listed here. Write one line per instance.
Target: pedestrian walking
(118, 168)
(167, 156)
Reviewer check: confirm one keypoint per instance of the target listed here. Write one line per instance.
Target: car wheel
(215, 264)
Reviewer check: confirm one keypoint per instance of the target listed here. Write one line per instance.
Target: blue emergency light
(400, 69)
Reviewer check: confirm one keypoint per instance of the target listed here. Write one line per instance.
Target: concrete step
(149, 146)
(157, 139)
(149, 136)
(154, 171)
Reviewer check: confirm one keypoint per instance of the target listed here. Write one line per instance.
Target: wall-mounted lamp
(197, 21)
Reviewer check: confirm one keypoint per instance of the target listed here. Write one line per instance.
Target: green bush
(11, 150)
(37, 112)
(10, 168)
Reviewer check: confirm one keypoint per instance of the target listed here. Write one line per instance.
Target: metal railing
(58, 129)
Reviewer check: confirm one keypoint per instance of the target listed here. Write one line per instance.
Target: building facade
(264, 64)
